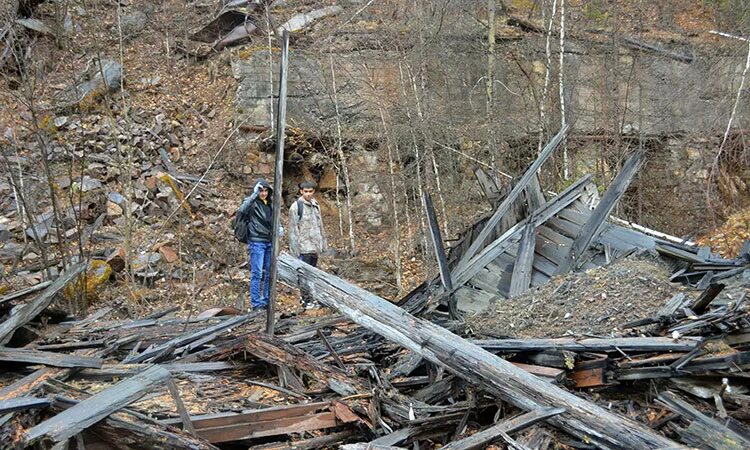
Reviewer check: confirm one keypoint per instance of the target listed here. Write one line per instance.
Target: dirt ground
(595, 302)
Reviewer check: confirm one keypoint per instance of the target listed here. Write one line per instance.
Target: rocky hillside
(131, 131)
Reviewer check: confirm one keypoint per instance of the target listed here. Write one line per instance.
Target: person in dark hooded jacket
(259, 211)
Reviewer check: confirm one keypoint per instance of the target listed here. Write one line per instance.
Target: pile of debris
(382, 375)
(595, 302)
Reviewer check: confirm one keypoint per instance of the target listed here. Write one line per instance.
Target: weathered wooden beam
(707, 296)
(130, 429)
(437, 242)
(185, 339)
(489, 187)
(278, 179)
(23, 355)
(504, 207)
(273, 421)
(487, 436)
(715, 431)
(553, 206)
(21, 403)
(520, 280)
(127, 370)
(631, 344)
(32, 309)
(442, 260)
(26, 291)
(593, 227)
(187, 424)
(86, 413)
(492, 373)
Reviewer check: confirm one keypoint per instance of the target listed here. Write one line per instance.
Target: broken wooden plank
(86, 413)
(487, 436)
(187, 425)
(24, 292)
(274, 421)
(437, 244)
(598, 218)
(29, 311)
(22, 355)
(549, 373)
(714, 430)
(489, 187)
(520, 281)
(462, 274)
(497, 376)
(630, 344)
(707, 296)
(189, 337)
(130, 429)
(479, 241)
(21, 403)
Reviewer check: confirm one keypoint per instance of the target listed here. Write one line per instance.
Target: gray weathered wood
(490, 189)
(593, 226)
(21, 403)
(462, 274)
(86, 413)
(521, 279)
(442, 260)
(48, 358)
(32, 309)
(279, 173)
(630, 344)
(437, 242)
(188, 338)
(476, 365)
(187, 424)
(26, 291)
(478, 243)
(714, 429)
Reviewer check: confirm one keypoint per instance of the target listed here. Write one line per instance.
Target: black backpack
(240, 223)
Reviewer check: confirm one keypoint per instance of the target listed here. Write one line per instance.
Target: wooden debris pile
(384, 375)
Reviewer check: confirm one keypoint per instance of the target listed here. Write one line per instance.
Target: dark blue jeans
(260, 266)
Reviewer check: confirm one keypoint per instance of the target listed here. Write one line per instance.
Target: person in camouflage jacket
(307, 239)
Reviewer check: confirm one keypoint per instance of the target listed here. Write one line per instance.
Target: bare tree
(566, 164)
(342, 159)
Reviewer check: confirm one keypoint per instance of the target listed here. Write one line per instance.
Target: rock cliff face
(681, 98)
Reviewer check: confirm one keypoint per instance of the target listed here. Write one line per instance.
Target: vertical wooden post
(277, 203)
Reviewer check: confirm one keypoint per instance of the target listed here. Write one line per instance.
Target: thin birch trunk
(548, 67)
(430, 152)
(418, 161)
(566, 165)
(394, 205)
(734, 110)
(338, 206)
(409, 229)
(29, 215)
(342, 159)
(490, 107)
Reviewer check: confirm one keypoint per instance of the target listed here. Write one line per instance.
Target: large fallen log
(86, 413)
(492, 373)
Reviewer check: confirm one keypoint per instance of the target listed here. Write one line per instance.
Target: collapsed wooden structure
(380, 375)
